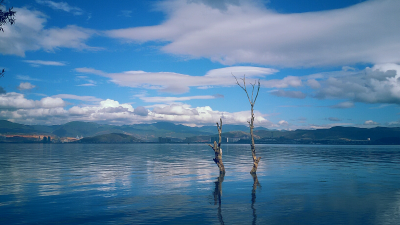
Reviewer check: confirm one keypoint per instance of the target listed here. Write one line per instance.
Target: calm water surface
(180, 184)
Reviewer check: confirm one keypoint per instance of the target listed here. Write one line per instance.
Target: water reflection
(168, 184)
(217, 196)
(253, 196)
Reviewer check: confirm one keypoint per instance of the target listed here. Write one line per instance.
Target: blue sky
(320, 63)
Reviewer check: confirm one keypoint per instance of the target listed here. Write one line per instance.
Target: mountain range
(181, 133)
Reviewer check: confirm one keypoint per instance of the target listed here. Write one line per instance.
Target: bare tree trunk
(253, 147)
(252, 101)
(218, 151)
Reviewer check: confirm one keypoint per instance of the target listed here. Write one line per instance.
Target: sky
(320, 63)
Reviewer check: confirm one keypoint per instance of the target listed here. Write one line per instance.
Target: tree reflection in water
(217, 196)
(253, 196)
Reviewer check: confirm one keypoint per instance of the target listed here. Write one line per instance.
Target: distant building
(223, 139)
(232, 140)
(164, 140)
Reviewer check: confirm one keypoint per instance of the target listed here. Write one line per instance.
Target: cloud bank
(30, 34)
(248, 33)
(180, 83)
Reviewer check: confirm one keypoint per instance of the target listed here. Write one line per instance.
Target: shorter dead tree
(252, 101)
(217, 150)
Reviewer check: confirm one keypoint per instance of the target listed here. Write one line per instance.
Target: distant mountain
(229, 127)
(84, 129)
(351, 133)
(7, 127)
(151, 132)
(110, 138)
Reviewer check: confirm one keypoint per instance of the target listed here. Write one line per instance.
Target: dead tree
(252, 101)
(218, 151)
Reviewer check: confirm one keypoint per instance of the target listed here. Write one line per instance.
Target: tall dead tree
(218, 151)
(252, 101)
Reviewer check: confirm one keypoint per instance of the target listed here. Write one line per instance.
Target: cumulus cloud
(44, 63)
(204, 115)
(175, 109)
(249, 33)
(51, 110)
(25, 86)
(14, 100)
(289, 94)
(314, 84)
(283, 123)
(379, 84)
(141, 111)
(29, 34)
(370, 122)
(50, 102)
(116, 113)
(180, 83)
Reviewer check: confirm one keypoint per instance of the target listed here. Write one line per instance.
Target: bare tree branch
(252, 101)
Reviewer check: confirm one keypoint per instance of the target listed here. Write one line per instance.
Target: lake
(180, 184)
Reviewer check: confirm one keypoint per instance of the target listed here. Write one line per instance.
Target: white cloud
(283, 123)
(289, 81)
(61, 6)
(50, 102)
(218, 4)
(44, 63)
(25, 86)
(91, 71)
(180, 83)
(23, 77)
(116, 113)
(248, 33)
(370, 122)
(86, 85)
(14, 101)
(51, 110)
(141, 111)
(89, 83)
(314, 84)
(379, 84)
(175, 109)
(29, 34)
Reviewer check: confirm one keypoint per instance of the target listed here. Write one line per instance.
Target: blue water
(180, 184)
